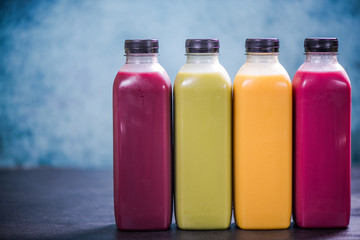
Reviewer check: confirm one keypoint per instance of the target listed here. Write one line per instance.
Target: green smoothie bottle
(202, 106)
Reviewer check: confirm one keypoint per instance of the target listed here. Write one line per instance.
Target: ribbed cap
(321, 45)
(262, 45)
(141, 46)
(202, 45)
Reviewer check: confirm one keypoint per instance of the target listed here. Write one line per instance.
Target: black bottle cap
(321, 45)
(141, 46)
(202, 45)
(262, 45)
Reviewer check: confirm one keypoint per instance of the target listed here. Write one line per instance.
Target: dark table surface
(78, 204)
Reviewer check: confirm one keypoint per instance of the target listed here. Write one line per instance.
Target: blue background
(58, 60)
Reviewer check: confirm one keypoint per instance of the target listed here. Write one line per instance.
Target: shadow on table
(105, 232)
(110, 232)
(235, 233)
(320, 233)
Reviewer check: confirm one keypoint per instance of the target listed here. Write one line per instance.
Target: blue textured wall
(58, 60)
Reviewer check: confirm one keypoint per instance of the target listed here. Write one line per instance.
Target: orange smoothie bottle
(262, 118)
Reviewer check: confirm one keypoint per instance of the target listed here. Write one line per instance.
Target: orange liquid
(262, 151)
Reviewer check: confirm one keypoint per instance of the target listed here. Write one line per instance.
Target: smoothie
(322, 148)
(322, 155)
(142, 140)
(262, 119)
(262, 151)
(203, 150)
(202, 109)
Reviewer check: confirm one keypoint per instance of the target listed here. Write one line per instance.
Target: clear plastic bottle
(322, 113)
(142, 140)
(262, 139)
(202, 105)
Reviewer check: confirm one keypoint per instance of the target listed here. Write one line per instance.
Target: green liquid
(202, 103)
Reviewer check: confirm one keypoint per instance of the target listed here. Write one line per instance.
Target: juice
(262, 139)
(322, 150)
(203, 150)
(142, 142)
(322, 113)
(262, 151)
(202, 104)
(142, 167)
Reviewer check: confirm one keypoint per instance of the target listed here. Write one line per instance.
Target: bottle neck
(147, 58)
(321, 57)
(262, 57)
(200, 58)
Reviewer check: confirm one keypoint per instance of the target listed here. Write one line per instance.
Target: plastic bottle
(142, 140)
(202, 105)
(262, 139)
(322, 106)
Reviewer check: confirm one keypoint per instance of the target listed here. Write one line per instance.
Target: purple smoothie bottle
(142, 140)
(322, 109)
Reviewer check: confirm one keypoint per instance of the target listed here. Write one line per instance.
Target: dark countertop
(78, 204)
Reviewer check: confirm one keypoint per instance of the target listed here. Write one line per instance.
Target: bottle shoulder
(257, 69)
(320, 79)
(142, 68)
(256, 75)
(153, 75)
(202, 68)
(202, 73)
(320, 67)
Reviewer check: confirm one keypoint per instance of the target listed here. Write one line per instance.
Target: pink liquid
(322, 105)
(142, 151)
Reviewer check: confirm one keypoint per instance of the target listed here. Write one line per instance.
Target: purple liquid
(142, 151)
(322, 105)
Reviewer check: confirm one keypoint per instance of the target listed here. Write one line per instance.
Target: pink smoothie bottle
(142, 140)
(322, 108)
